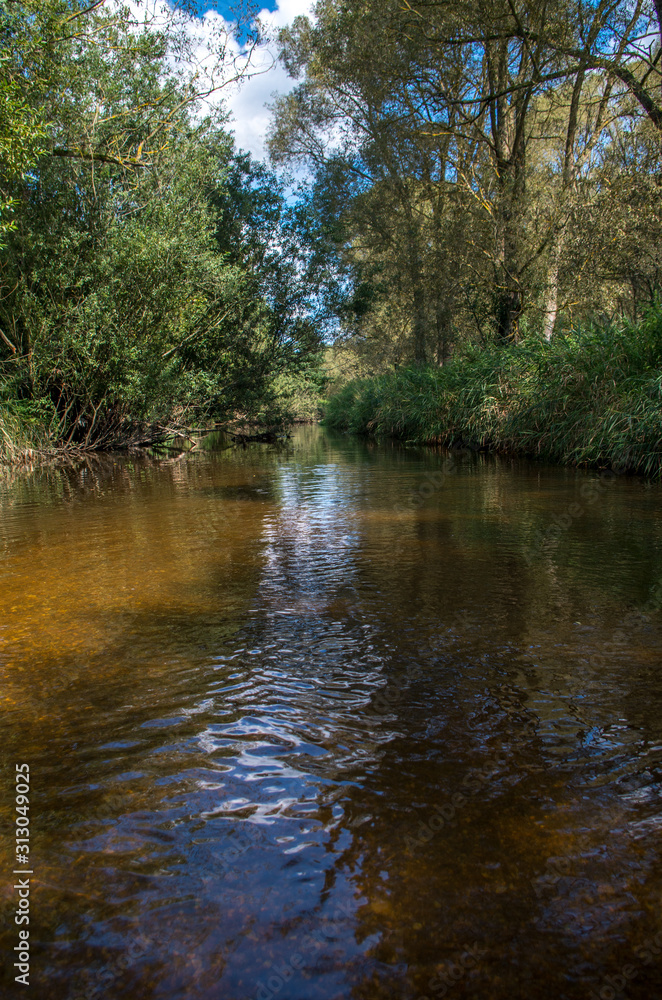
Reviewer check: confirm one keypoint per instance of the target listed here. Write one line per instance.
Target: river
(334, 719)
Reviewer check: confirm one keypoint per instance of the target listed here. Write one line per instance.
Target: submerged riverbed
(338, 719)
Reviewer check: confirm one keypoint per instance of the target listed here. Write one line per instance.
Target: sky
(226, 8)
(247, 103)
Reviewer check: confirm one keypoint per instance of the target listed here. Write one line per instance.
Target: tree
(134, 293)
(469, 130)
(20, 128)
(525, 52)
(383, 189)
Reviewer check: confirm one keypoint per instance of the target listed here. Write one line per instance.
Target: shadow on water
(335, 719)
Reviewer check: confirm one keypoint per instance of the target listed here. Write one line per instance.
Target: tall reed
(21, 441)
(590, 397)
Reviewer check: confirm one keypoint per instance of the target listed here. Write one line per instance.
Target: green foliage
(593, 396)
(21, 131)
(22, 437)
(482, 170)
(150, 280)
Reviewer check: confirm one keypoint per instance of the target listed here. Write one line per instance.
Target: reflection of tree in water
(437, 762)
(460, 689)
(524, 869)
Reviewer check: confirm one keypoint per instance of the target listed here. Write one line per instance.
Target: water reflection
(308, 722)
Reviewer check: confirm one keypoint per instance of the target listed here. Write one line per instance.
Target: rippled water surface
(334, 720)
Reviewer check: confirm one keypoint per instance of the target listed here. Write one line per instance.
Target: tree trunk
(508, 306)
(552, 296)
(419, 302)
(509, 294)
(419, 319)
(443, 332)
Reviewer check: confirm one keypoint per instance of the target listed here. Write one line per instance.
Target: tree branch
(95, 154)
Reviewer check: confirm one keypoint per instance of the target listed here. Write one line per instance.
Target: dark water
(340, 720)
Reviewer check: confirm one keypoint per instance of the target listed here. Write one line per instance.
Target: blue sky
(248, 103)
(226, 8)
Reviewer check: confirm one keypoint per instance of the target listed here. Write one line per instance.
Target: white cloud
(247, 103)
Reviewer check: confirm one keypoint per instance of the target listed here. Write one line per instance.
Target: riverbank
(590, 397)
(25, 444)
(21, 442)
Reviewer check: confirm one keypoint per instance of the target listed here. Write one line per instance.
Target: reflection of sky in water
(312, 538)
(245, 683)
(310, 664)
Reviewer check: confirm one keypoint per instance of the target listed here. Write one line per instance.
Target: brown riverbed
(334, 720)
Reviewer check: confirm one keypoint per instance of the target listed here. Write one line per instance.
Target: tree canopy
(476, 172)
(487, 167)
(142, 279)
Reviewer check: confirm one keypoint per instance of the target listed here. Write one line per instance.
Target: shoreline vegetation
(152, 276)
(590, 397)
(482, 197)
(23, 444)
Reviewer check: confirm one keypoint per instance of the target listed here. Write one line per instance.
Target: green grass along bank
(588, 397)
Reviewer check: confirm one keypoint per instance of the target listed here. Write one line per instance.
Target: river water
(334, 719)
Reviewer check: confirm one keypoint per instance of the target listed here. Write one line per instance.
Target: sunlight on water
(333, 720)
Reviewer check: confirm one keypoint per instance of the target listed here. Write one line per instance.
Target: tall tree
(480, 122)
(129, 296)
(346, 120)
